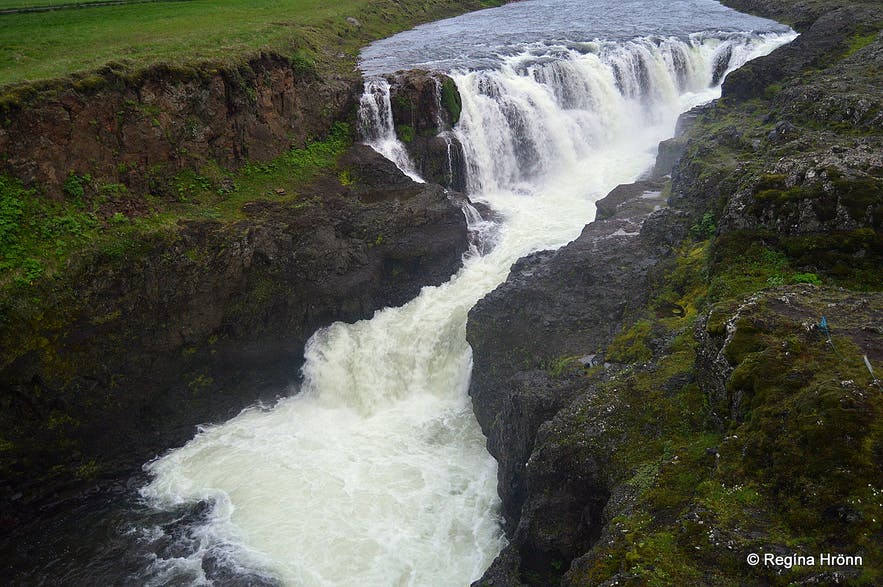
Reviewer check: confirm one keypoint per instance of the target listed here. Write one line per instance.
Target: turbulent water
(375, 473)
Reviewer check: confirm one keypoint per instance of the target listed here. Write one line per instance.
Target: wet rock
(628, 196)
(669, 152)
(569, 303)
(774, 168)
(824, 37)
(425, 107)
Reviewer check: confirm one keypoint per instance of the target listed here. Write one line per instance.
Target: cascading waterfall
(375, 473)
(377, 128)
(546, 108)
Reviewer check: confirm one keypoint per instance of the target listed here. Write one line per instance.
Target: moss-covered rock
(725, 420)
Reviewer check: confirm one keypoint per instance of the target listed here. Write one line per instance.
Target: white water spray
(376, 472)
(377, 127)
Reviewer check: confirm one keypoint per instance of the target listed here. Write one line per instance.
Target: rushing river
(375, 472)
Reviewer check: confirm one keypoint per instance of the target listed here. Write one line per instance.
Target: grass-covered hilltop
(181, 205)
(667, 418)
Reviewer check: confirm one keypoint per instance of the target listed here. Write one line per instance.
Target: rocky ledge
(191, 325)
(666, 399)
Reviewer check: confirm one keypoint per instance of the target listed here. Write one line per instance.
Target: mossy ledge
(673, 403)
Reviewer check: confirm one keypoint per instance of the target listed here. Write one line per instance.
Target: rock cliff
(672, 403)
(425, 107)
(192, 325)
(140, 129)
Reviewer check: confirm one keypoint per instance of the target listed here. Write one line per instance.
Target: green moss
(743, 262)
(795, 465)
(106, 318)
(88, 470)
(705, 228)
(559, 366)
(718, 316)
(849, 259)
(799, 463)
(771, 181)
(631, 345)
(790, 194)
(771, 91)
(199, 383)
(811, 278)
(861, 196)
(405, 133)
(858, 42)
(450, 100)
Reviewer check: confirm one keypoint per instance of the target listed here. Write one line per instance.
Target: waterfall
(376, 472)
(377, 127)
(547, 108)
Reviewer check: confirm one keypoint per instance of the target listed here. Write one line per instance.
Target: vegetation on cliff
(726, 418)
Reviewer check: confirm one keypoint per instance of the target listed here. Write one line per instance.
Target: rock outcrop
(425, 107)
(571, 303)
(651, 403)
(140, 129)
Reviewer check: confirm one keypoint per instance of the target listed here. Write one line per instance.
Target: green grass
(858, 42)
(36, 46)
(45, 45)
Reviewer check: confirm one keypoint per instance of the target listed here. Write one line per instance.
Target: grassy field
(36, 46)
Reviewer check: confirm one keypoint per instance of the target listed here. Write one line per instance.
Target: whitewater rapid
(375, 472)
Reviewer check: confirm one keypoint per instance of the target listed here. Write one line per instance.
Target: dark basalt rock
(198, 323)
(824, 38)
(808, 174)
(554, 305)
(630, 195)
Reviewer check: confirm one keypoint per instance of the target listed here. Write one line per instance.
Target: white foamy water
(376, 473)
(377, 129)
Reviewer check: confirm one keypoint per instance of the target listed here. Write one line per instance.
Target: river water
(375, 472)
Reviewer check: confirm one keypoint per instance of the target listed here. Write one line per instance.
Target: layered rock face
(140, 130)
(663, 404)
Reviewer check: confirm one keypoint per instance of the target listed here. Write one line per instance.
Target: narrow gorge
(489, 340)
